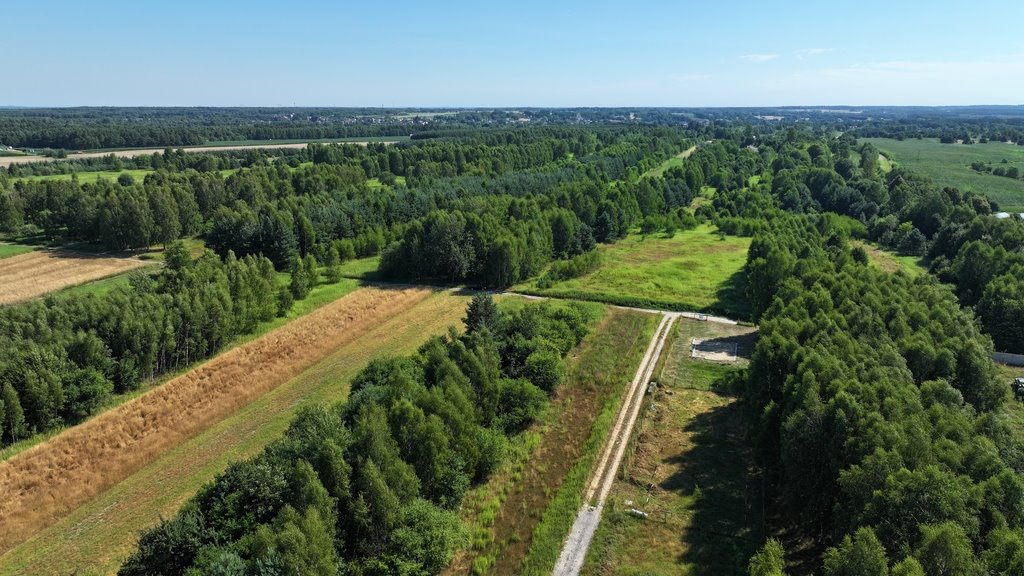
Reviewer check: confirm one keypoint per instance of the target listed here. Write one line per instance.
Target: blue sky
(524, 53)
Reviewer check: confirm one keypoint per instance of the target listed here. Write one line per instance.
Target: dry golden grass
(37, 273)
(40, 485)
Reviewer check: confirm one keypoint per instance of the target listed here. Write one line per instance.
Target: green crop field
(950, 165)
(694, 270)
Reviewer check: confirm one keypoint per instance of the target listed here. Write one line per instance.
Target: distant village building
(1005, 215)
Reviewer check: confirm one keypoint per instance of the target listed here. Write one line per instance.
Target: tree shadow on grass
(731, 296)
(717, 471)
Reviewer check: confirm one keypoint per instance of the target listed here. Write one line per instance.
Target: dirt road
(574, 551)
(36, 273)
(45, 483)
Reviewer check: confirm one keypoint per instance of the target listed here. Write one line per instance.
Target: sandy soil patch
(36, 273)
(46, 482)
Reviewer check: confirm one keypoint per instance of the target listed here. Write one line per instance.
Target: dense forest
(370, 486)
(874, 407)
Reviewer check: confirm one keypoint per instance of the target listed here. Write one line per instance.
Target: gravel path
(574, 551)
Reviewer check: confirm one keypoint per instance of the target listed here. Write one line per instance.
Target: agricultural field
(35, 273)
(698, 270)
(181, 449)
(950, 165)
(526, 508)
(689, 471)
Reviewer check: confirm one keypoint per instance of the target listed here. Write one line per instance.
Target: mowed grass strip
(46, 482)
(42, 271)
(690, 469)
(950, 165)
(697, 270)
(98, 536)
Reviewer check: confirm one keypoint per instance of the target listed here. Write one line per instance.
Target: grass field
(675, 161)
(361, 268)
(690, 470)
(8, 250)
(694, 270)
(949, 165)
(892, 262)
(95, 537)
(521, 508)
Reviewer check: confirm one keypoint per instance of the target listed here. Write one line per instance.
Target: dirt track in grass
(46, 482)
(36, 273)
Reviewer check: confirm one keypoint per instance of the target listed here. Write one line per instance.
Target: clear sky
(523, 53)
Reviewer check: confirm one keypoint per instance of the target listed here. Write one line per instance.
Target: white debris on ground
(714, 350)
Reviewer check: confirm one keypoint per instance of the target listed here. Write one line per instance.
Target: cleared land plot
(680, 369)
(696, 270)
(85, 460)
(691, 472)
(39, 272)
(99, 535)
(950, 165)
(546, 481)
(891, 262)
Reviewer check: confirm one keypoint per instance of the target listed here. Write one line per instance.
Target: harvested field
(45, 483)
(36, 273)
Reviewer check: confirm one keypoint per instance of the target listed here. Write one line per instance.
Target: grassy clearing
(694, 270)
(892, 262)
(673, 162)
(949, 165)
(89, 177)
(361, 268)
(96, 537)
(376, 183)
(8, 250)
(523, 507)
(690, 470)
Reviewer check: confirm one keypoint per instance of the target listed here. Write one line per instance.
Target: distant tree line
(371, 486)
